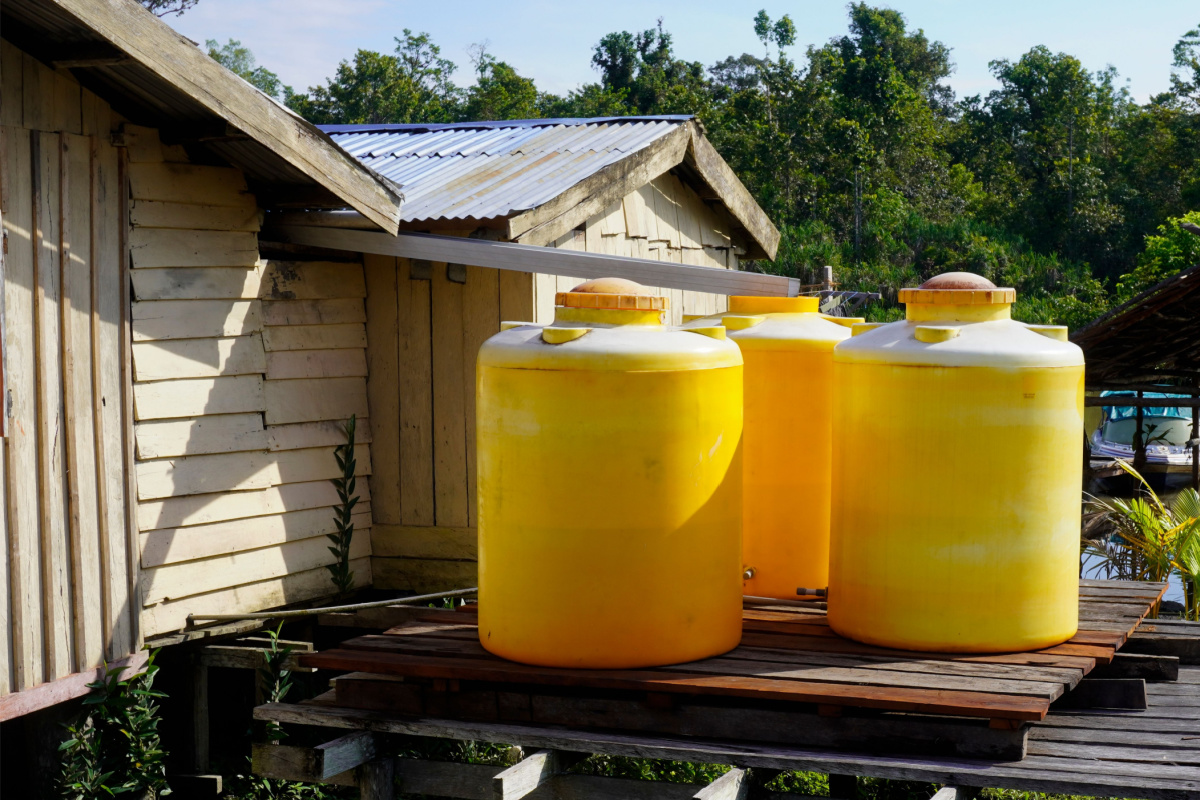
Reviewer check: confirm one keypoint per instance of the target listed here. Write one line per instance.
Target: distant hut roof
(509, 169)
(155, 77)
(1154, 337)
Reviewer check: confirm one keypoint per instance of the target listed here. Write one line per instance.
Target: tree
(413, 85)
(499, 92)
(162, 8)
(240, 61)
(642, 69)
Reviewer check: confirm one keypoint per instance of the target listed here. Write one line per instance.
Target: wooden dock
(1080, 719)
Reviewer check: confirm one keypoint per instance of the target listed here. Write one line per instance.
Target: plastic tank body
(610, 486)
(956, 476)
(787, 347)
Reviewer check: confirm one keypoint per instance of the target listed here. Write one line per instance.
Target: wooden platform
(791, 680)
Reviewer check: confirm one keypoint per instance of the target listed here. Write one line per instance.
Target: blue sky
(303, 40)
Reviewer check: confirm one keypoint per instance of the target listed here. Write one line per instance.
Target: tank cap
(958, 288)
(616, 293)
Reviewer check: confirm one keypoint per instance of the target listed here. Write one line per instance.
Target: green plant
(339, 570)
(275, 680)
(114, 747)
(1153, 540)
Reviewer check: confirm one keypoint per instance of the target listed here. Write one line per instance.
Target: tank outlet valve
(748, 573)
(865, 327)
(802, 592)
(562, 335)
(741, 323)
(509, 325)
(1058, 332)
(714, 331)
(932, 334)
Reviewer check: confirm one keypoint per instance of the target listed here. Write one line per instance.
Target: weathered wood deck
(788, 655)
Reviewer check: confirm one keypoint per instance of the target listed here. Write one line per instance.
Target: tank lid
(611, 293)
(958, 288)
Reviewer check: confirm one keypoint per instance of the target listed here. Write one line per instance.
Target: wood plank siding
(244, 370)
(424, 328)
(67, 571)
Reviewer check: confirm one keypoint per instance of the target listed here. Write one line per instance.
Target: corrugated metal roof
(485, 170)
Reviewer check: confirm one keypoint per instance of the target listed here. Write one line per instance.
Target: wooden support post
(955, 793)
(1106, 693)
(1196, 445)
(199, 718)
(376, 780)
(843, 787)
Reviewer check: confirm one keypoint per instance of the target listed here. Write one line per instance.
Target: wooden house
(175, 375)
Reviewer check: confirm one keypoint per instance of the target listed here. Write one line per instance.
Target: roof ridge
(427, 127)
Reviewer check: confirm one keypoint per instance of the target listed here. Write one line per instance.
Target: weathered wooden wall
(243, 370)
(423, 335)
(66, 568)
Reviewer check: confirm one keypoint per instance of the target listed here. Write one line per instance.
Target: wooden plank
(197, 283)
(416, 397)
(314, 312)
(316, 764)
(451, 507)
(188, 183)
(66, 112)
(70, 687)
(36, 85)
(1106, 693)
(383, 383)
(142, 145)
(689, 221)
(78, 401)
(21, 428)
(107, 198)
(195, 319)
(398, 541)
(179, 512)
(223, 433)
(175, 581)
(733, 785)
(315, 337)
(534, 259)
(56, 566)
(481, 320)
(516, 296)
(170, 359)
(311, 280)
(319, 434)
(175, 545)
(423, 575)
(666, 210)
(317, 463)
(203, 474)
(196, 397)
(296, 587)
(297, 364)
(1134, 665)
(311, 400)
(524, 777)
(377, 780)
(120, 212)
(171, 247)
(196, 216)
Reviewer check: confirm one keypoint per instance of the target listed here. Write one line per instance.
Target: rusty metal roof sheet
(487, 170)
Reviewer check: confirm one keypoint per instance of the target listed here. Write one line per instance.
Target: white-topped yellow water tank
(787, 346)
(610, 485)
(957, 468)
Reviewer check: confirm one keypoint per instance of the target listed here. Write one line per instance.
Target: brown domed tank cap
(613, 293)
(958, 288)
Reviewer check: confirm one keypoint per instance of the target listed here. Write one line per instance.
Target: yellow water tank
(610, 485)
(788, 351)
(956, 476)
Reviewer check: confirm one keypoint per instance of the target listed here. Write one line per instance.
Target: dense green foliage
(113, 748)
(864, 157)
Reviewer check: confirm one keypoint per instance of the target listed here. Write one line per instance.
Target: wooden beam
(705, 159)
(132, 30)
(546, 260)
(1139, 665)
(733, 785)
(1106, 693)
(527, 775)
(59, 691)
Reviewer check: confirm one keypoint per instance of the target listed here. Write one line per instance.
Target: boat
(1167, 431)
